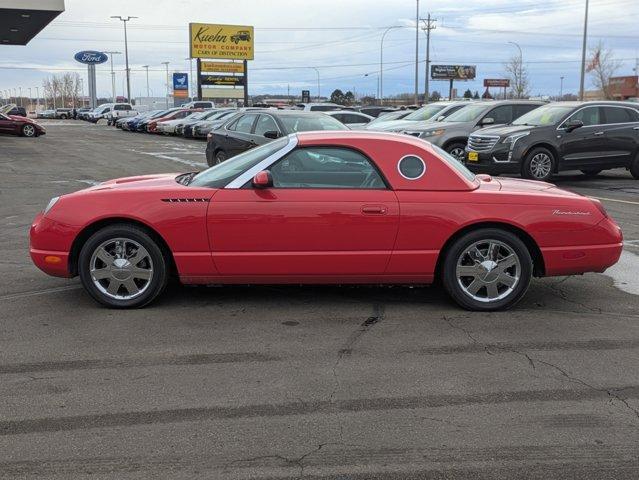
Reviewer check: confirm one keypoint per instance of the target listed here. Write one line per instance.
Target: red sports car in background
(20, 126)
(325, 207)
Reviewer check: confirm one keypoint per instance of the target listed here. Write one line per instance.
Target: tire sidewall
(449, 272)
(24, 134)
(217, 159)
(526, 173)
(158, 281)
(454, 146)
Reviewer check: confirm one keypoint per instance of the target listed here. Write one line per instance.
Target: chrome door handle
(598, 133)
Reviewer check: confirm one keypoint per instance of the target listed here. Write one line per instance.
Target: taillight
(600, 207)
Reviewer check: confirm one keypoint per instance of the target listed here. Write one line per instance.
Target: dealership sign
(222, 67)
(180, 85)
(496, 82)
(452, 72)
(218, 80)
(91, 57)
(221, 41)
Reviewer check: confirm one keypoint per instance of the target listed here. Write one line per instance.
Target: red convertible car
(325, 207)
(20, 126)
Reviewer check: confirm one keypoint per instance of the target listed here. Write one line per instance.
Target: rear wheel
(487, 269)
(122, 266)
(28, 130)
(634, 168)
(220, 156)
(591, 172)
(539, 165)
(457, 150)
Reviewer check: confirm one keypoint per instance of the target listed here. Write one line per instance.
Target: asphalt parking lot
(320, 382)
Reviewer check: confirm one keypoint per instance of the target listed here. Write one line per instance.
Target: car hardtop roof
(577, 103)
(312, 136)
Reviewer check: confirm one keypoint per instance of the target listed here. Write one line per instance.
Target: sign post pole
(199, 79)
(245, 83)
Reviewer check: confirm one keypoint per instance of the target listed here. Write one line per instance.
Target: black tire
(28, 130)
(536, 158)
(591, 172)
(634, 168)
(457, 150)
(220, 156)
(158, 267)
(456, 287)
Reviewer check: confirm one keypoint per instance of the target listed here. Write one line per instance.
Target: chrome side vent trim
(185, 200)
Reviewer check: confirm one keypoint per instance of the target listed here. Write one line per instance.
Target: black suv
(586, 136)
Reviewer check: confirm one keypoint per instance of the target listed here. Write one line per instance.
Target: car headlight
(431, 133)
(51, 203)
(513, 138)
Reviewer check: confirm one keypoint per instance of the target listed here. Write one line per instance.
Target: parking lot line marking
(46, 291)
(615, 200)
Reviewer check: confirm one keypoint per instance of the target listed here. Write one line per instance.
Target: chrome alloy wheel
(540, 165)
(458, 153)
(121, 268)
(28, 130)
(488, 270)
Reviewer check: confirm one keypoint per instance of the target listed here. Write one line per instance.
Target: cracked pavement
(353, 383)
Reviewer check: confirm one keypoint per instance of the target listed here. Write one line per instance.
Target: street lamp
(166, 64)
(126, 55)
(146, 67)
(113, 73)
(191, 89)
(318, 82)
(583, 55)
(521, 64)
(561, 87)
(381, 62)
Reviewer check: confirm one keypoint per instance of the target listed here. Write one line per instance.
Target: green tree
(468, 94)
(435, 96)
(476, 95)
(337, 96)
(349, 98)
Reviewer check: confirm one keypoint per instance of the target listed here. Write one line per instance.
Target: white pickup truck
(108, 110)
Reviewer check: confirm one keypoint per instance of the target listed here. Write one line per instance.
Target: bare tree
(62, 90)
(518, 75)
(602, 65)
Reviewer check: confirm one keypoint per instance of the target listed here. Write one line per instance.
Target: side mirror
(573, 125)
(263, 179)
(440, 118)
(272, 134)
(488, 121)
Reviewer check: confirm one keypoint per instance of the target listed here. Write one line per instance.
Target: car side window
(265, 123)
(589, 116)
(245, 123)
(326, 167)
(351, 118)
(501, 114)
(620, 115)
(519, 110)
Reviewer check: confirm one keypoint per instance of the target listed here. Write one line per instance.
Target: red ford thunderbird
(324, 208)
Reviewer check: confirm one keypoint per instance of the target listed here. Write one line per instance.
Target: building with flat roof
(21, 20)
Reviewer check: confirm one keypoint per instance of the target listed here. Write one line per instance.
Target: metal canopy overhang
(21, 20)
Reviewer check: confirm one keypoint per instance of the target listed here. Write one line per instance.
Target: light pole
(20, 95)
(583, 55)
(561, 87)
(318, 82)
(417, 54)
(190, 77)
(146, 67)
(521, 65)
(166, 64)
(112, 72)
(126, 55)
(30, 98)
(381, 63)
(37, 98)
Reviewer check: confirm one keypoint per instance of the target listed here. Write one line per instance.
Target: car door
(329, 216)
(501, 115)
(621, 133)
(6, 124)
(585, 146)
(239, 138)
(265, 123)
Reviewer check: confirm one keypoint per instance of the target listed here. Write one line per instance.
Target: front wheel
(28, 131)
(487, 269)
(634, 168)
(539, 165)
(122, 266)
(220, 156)
(457, 150)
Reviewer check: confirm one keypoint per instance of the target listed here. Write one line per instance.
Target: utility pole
(417, 53)
(166, 64)
(583, 55)
(113, 73)
(429, 24)
(520, 82)
(146, 67)
(126, 56)
(561, 87)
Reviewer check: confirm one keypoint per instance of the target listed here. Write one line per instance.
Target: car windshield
(545, 115)
(220, 175)
(469, 113)
(424, 113)
(218, 115)
(453, 162)
(310, 122)
(2, 115)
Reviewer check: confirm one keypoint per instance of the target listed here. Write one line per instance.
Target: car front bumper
(500, 159)
(48, 249)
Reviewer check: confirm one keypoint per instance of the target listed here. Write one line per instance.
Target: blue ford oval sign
(91, 57)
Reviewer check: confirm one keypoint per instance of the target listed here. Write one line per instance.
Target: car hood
(20, 118)
(142, 182)
(391, 125)
(504, 130)
(431, 124)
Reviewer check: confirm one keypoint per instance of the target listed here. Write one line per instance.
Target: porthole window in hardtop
(411, 167)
